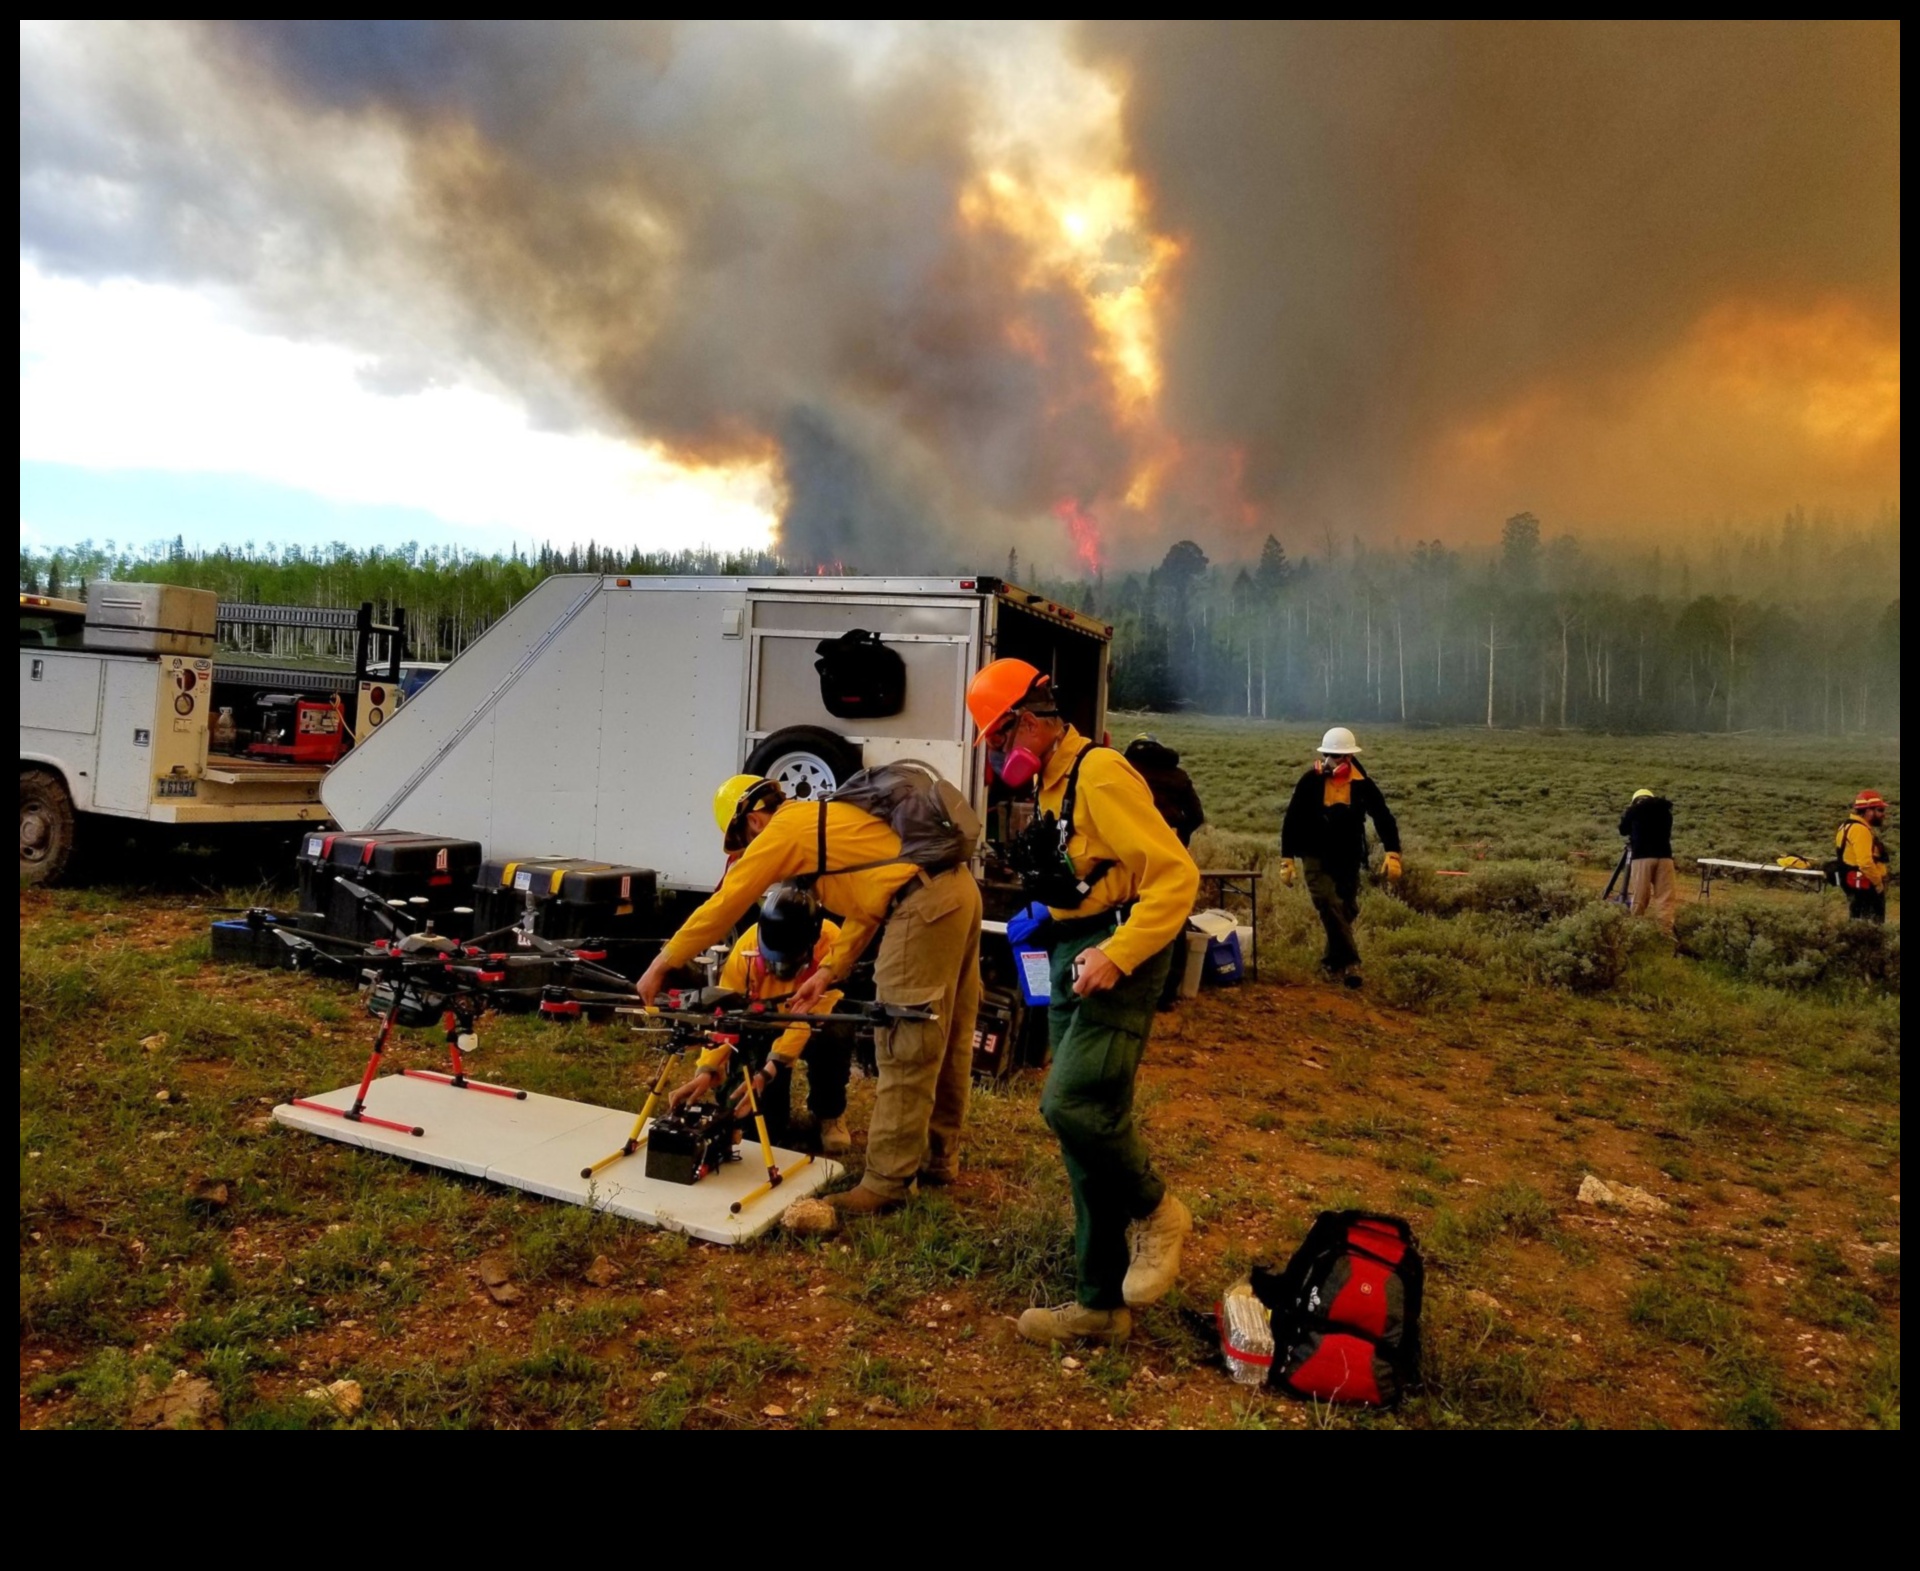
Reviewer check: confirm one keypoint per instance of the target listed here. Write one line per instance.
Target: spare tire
(806, 760)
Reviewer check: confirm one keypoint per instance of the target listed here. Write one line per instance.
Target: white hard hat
(1339, 740)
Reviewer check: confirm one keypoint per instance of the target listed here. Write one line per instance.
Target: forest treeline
(1798, 631)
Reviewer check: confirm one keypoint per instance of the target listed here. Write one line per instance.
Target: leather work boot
(862, 1201)
(1156, 1239)
(1353, 978)
(834, 1138)
(936, 1177)
(1072, 1323)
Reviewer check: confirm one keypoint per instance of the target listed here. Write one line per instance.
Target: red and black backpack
(1346, 1310)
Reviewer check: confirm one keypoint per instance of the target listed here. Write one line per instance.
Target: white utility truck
(596, 718)
(119, 699)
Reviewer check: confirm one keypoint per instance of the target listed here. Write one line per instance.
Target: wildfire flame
(1083, 222)
(1082, 530)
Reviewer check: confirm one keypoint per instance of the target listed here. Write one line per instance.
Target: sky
(905, 295)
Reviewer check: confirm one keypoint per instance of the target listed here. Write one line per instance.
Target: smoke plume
(1618, 274)
(1086, 292)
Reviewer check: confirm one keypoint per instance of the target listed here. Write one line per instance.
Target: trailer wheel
(808, 761)
(46, 826)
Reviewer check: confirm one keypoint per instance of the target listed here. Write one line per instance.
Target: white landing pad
(542, 1143)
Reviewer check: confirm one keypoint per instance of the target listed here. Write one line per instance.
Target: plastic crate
(572, 898)
(433, 874)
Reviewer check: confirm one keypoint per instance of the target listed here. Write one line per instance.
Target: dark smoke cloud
(1394, 229)
(748, 240)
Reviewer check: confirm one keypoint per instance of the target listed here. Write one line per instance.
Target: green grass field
(1513, 1037)
(1472, 794)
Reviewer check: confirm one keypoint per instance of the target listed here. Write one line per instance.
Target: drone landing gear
(638, 1138)
(358, 1114)
(458, 1021)
(459, 1027)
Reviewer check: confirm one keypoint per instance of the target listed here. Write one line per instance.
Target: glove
(1390, 865)
(703, 1080)
(1024, 925)
(1286, 871)
(762, 1078)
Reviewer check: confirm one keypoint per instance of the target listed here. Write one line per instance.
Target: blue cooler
(1224, 964)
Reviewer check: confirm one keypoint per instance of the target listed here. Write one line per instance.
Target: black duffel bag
(860, 677)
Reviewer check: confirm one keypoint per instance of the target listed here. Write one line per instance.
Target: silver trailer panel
(595, 718)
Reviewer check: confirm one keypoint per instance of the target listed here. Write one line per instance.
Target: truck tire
(46, 826)
(808, 761)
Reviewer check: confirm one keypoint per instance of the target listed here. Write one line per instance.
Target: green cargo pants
(1098, 1042)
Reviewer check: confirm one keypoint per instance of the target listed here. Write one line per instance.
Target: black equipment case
(572, 899)
(995, 1034)
(434, 874)
(686, 1145)
(242, 942)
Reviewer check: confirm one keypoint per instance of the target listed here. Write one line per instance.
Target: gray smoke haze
(1395, 229)
(717, 232)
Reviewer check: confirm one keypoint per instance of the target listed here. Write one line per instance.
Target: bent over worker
(1113, 888)
(1648, 826)
(1862, 856)
(767, 964)
(929, 927)
(1324, 836)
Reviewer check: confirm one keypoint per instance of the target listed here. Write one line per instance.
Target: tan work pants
(1650, 889)
(929, 956)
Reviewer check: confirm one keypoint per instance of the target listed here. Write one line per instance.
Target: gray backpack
(937, 825)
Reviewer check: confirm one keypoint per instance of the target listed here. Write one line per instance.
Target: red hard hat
(1869, 799)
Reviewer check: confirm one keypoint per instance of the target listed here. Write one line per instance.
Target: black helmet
(789, 928)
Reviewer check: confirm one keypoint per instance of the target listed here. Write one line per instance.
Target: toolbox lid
(402, 851)
(570, 880)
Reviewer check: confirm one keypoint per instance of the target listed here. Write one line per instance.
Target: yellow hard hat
(1643, 791)
(735, 798)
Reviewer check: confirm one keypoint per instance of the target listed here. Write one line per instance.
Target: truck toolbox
(150, 619)
(437, 870)
(573, 898)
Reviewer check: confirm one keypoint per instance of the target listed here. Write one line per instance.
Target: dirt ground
(1764, 1292)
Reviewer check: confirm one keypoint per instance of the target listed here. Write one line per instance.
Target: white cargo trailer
(596, 717)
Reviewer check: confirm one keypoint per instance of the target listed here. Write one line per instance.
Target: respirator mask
(1015, 768)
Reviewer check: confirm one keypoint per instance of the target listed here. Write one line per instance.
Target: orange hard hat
(1869, 799)
(1000, 686)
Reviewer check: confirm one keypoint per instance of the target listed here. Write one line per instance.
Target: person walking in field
(1110, 887)
(1648, 826)
(1323, 840)
(1862, 858)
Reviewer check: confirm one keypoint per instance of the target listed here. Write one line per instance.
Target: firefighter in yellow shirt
(1112, 888)
(1862, 858)
(929, 928)
(766, 964)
